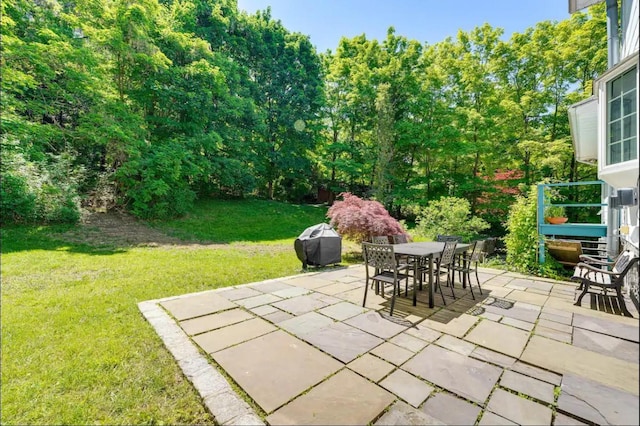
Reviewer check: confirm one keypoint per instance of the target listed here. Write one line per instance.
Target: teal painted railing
(565, 229)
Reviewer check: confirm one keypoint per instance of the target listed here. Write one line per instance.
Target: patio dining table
(430, 250)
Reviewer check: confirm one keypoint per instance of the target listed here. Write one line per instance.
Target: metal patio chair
(469, 263)
(387, 269)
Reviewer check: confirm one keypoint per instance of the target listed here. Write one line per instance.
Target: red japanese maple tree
(358, 220)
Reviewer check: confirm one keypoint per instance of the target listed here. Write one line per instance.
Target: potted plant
(555, 214)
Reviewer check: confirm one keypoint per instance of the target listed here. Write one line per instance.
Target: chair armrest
(594, 269)
(590, 259)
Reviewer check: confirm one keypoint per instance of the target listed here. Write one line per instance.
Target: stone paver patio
(304, 351)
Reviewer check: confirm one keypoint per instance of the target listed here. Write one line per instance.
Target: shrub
(522, 238)
(358, 220)
(449, 216)
(156, 182)
(43, 191)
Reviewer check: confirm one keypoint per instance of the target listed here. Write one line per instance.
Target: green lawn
(75, 348)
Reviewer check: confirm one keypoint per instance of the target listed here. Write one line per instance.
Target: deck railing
(568, 229)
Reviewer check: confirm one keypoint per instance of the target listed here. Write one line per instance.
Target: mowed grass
(75, 348)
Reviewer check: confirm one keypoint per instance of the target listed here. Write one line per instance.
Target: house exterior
(604, 127)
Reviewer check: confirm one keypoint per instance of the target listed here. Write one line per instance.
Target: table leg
(464, 276)
(431, 281)
(415, 271)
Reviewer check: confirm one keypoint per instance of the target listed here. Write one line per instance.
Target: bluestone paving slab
(491, 316)
(492, 357)
(555, 318)
(540, 390)
(264, 310)
(242, 292)
(214, 321)
(597, 403)
(423, 333)
(462, 375)
(498, 337)
(335, 288)
(325, 298)
(409, 342)
(499, 281)
(275, 368)
(197, 305)
(607, 345)
(569, 359)
(342, 311)
(392, 353)
(516, 312)
(402, 414)
(221, 338)
(371, 367)
(611, 328)
(254, 301)
(524, 325)
(519, 410)
(373, 323)
(492, 419)
(542, 322)
(305, 323)
(457, 327)
(407, 387)
(455, 344)
(308, 282)
(278, 316)
(500, 292)
(344, 398)
(356, 296)
(291, 292)
(538, 373)
(451, 410)
(564, 420)
(342, 341)
(553, 334)
(301, 304)
(528, 297)
(271, 286)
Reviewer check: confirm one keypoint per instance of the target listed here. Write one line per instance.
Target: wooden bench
(591, 274)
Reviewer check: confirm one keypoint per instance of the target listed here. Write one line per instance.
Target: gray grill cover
(319, 245)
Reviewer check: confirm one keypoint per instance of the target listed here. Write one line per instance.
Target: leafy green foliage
(449, 216)
(522, 238)
(44, 191)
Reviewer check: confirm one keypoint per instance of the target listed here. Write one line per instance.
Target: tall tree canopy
(150, 104)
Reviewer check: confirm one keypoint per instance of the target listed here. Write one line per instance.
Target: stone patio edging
(222, 401)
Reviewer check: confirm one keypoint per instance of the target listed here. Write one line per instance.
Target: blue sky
(326, 21)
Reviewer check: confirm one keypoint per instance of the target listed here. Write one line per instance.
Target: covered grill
(319, 245)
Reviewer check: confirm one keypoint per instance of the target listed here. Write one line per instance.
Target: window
(622, 118)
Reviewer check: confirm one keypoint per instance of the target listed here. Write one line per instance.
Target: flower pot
(556, 220)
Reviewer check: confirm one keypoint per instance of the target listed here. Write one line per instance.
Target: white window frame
(602, 85)
(626, 139)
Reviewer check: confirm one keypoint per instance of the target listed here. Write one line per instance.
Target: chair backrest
(399, 239)
(448, 253)
(622, 261)
(445, 238)
(380, 239)
(379, 256)
(477, 251)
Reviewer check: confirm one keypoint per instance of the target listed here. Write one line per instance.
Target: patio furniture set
(391, 263)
